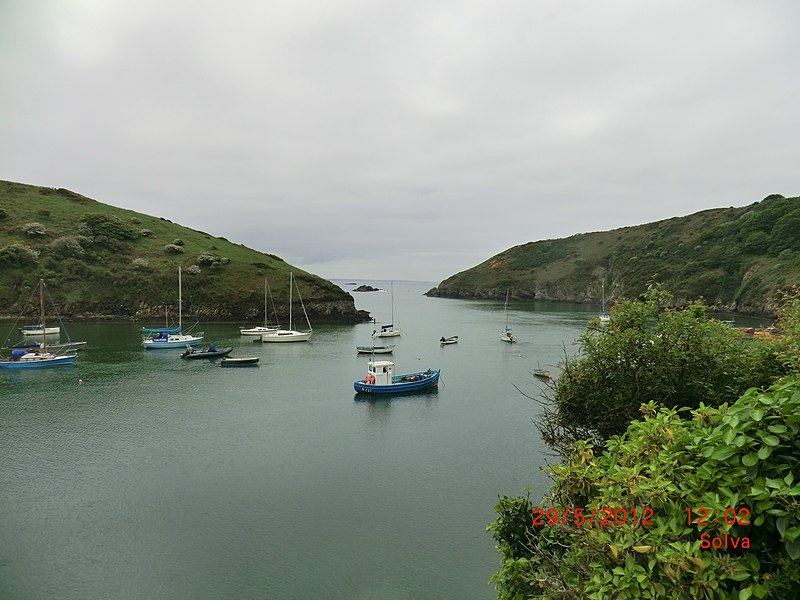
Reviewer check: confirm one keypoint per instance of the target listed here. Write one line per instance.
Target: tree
(675, 358)
(738, 463)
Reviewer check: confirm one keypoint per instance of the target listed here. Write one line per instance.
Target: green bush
(672, 357)
(739, 462)
(108, 227)
(18, 255)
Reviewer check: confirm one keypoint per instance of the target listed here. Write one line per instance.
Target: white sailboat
(507, 335)
(22, 358)
(172, 337)
(604, 316)
(290, 335)
(266, 327)
(389, 330)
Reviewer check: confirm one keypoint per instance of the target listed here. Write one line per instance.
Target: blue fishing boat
(381, 379)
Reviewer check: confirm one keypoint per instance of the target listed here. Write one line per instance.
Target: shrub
(34, 229)
(108, 227)
(739, 461)
(192, 270)
(146, 232)
(173, 249)
(673, 357)
(140, 264)
(178, 242)
(136, 220)
(3, 214)
(66, 246)
(18, 255)
(207, 259)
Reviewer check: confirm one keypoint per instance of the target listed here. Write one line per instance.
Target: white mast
(180, 298)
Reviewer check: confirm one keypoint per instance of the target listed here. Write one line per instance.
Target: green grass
(735, 258)
(102, 272)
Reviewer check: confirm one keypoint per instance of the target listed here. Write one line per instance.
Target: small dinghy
(444, 341)
(248, 361)
(375, 349)
(211, 352)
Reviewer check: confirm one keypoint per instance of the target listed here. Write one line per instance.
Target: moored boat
(444, 341)
(290, 335)
(172, 337)
(375, 349)
(246, 361)
(381, 379)
(210, 352)
(29, 358)
(38, 329)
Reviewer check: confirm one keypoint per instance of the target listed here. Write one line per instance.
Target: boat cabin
(380, 372)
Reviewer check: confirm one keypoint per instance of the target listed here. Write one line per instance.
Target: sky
(378, 139)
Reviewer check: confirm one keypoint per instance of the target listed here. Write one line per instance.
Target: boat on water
(266, 327)
(30, 358)
(172, 337)
(381, 379)
(290, 335)
(375, 349)
(39, 329)
(389, 329)
(247, 361)
(444, 341)
(542, 374)
(507, 335)
(57, 347)
(604, 316)
(210, 352)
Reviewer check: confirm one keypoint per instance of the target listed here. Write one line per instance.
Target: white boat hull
(260, 330)
(286, 335)
(388, 333)
(173, 341)
(38, 331)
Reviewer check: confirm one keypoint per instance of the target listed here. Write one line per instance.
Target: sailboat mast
(265, 301)
(290, 301)
(41, 315)
(180, 298)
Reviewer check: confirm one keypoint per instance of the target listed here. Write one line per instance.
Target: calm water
(135, 474)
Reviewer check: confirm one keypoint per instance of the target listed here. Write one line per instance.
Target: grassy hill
(735, 258)
(101, 260)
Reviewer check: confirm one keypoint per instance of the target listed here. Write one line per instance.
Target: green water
(135, 474)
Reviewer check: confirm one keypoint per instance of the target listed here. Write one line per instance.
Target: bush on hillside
(173, 249)
(18, 255)
(66, 246)
(106, 227)
(34, 229)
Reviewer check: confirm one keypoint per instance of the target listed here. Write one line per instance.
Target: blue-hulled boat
(381, 379)
(28, 358)
(172, 337)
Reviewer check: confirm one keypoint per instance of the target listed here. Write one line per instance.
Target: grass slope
(735, 258)
(102, 260)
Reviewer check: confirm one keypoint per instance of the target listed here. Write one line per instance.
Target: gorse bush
(108, 226)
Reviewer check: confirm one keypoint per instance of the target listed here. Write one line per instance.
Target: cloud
(433, 134)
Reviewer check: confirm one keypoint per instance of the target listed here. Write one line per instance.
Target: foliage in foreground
(742, 457)
(648, 353)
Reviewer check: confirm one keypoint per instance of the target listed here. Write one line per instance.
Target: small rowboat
(542, 374)
(375, 349)
(453, 339)
(239, 362)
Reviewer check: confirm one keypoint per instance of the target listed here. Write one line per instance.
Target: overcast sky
(402, 139)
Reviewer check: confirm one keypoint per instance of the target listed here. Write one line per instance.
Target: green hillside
(99, 260)
(735, 258)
